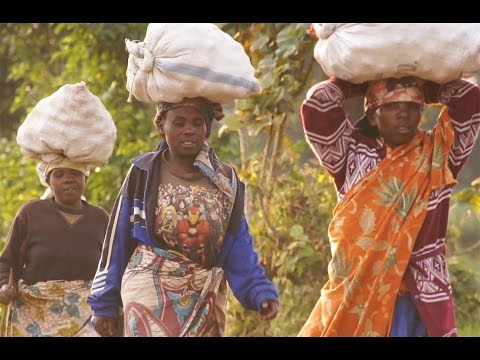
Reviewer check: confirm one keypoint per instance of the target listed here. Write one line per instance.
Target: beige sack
(72, 123)
(188, 60)
(359, 52)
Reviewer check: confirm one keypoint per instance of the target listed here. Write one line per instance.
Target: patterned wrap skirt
(51, 308)
(166, 294)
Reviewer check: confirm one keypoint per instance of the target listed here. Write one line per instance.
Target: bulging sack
(188, 60)
(360, 52)
(72, 123)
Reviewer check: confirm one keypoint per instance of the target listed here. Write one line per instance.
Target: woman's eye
(391, 106)
(415, 107)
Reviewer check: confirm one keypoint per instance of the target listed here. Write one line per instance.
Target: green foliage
(289, 202)
(464, 250)
(278, 53)
(43, 57)
(19, 183)
(464, 273)
(225, 145)
(295, 252)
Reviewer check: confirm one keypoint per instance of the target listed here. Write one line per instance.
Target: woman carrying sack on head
(53, 248)
(178, 232)
(388, 275)
(54, 244)
(177, 235)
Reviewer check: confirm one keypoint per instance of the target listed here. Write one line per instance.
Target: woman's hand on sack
(7, 293)
(268, 310)
(106, 326)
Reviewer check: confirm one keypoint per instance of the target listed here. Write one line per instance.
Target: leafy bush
(295, 253)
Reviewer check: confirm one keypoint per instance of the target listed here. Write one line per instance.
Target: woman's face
(67, 185)
(185, 131)
(397, 122)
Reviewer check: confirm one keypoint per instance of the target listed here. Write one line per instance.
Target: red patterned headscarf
(381, 92)
(207, 108)
(386, 91)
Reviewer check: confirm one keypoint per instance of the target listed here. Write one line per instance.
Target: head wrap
(207, 108)
(381, 92)
(44, 169)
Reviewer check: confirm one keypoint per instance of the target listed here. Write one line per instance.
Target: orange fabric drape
(372, 235)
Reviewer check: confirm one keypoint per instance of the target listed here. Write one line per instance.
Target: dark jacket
(131, 223)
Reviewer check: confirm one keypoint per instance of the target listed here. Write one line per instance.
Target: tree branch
(266, 153)
(468, 249)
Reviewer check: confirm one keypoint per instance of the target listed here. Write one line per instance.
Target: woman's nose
(189, 128)
(68, 177)
(403, 107)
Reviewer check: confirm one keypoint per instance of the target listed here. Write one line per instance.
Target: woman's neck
(75, 207)
(180, 163)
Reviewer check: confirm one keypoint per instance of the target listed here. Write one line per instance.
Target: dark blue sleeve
(245, 275)
(118, 247)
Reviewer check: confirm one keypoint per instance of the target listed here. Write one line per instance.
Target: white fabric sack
(72, 123)
(188, 60)
(360, 52)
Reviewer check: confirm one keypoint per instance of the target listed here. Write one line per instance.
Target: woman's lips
(403, 129)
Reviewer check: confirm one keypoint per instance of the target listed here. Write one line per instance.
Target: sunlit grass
(469, 330)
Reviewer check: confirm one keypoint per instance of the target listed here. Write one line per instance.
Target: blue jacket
(131, 223)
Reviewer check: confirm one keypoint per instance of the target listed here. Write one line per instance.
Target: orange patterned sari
(372, 234)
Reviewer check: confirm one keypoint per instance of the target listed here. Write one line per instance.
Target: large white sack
(188, 60)
(72, 123)
(360, 52)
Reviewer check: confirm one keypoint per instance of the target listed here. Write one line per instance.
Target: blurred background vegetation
(290, 197)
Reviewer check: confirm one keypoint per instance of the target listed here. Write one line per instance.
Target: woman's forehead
(66, 169)
(182, 110)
